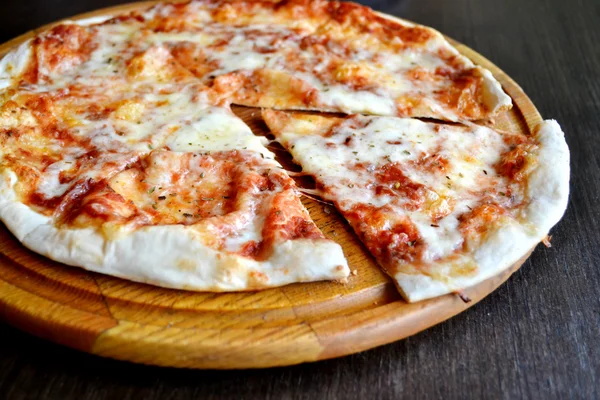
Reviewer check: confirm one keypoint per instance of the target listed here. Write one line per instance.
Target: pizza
(120, 152)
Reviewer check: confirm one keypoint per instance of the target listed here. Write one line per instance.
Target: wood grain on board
(297, 323)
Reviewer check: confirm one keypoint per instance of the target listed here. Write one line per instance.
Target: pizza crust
(91, 20)
(494, 96)
(13, 63)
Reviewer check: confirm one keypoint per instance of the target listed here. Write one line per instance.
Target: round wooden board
(297, 323)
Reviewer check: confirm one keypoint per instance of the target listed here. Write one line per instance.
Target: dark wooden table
(538, 336)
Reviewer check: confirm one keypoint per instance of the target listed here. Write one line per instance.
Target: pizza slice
(441, 207)
(215, 221)
(323, 56)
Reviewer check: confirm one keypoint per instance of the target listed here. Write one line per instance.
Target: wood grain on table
(538, 336)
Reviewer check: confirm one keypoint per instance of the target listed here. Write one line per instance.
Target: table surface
(538, 336)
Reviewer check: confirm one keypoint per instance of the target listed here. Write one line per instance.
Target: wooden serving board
(297, 323)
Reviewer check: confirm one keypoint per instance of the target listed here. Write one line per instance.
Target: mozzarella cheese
(470, 156)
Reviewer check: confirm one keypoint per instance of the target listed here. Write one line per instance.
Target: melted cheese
(345, 161)
(345, 73)
(121, 103)
(215, 129)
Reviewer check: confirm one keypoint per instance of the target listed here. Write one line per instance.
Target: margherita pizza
(120, 153)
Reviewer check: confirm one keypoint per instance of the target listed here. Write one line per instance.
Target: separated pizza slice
(214, 221)
(441, 207)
